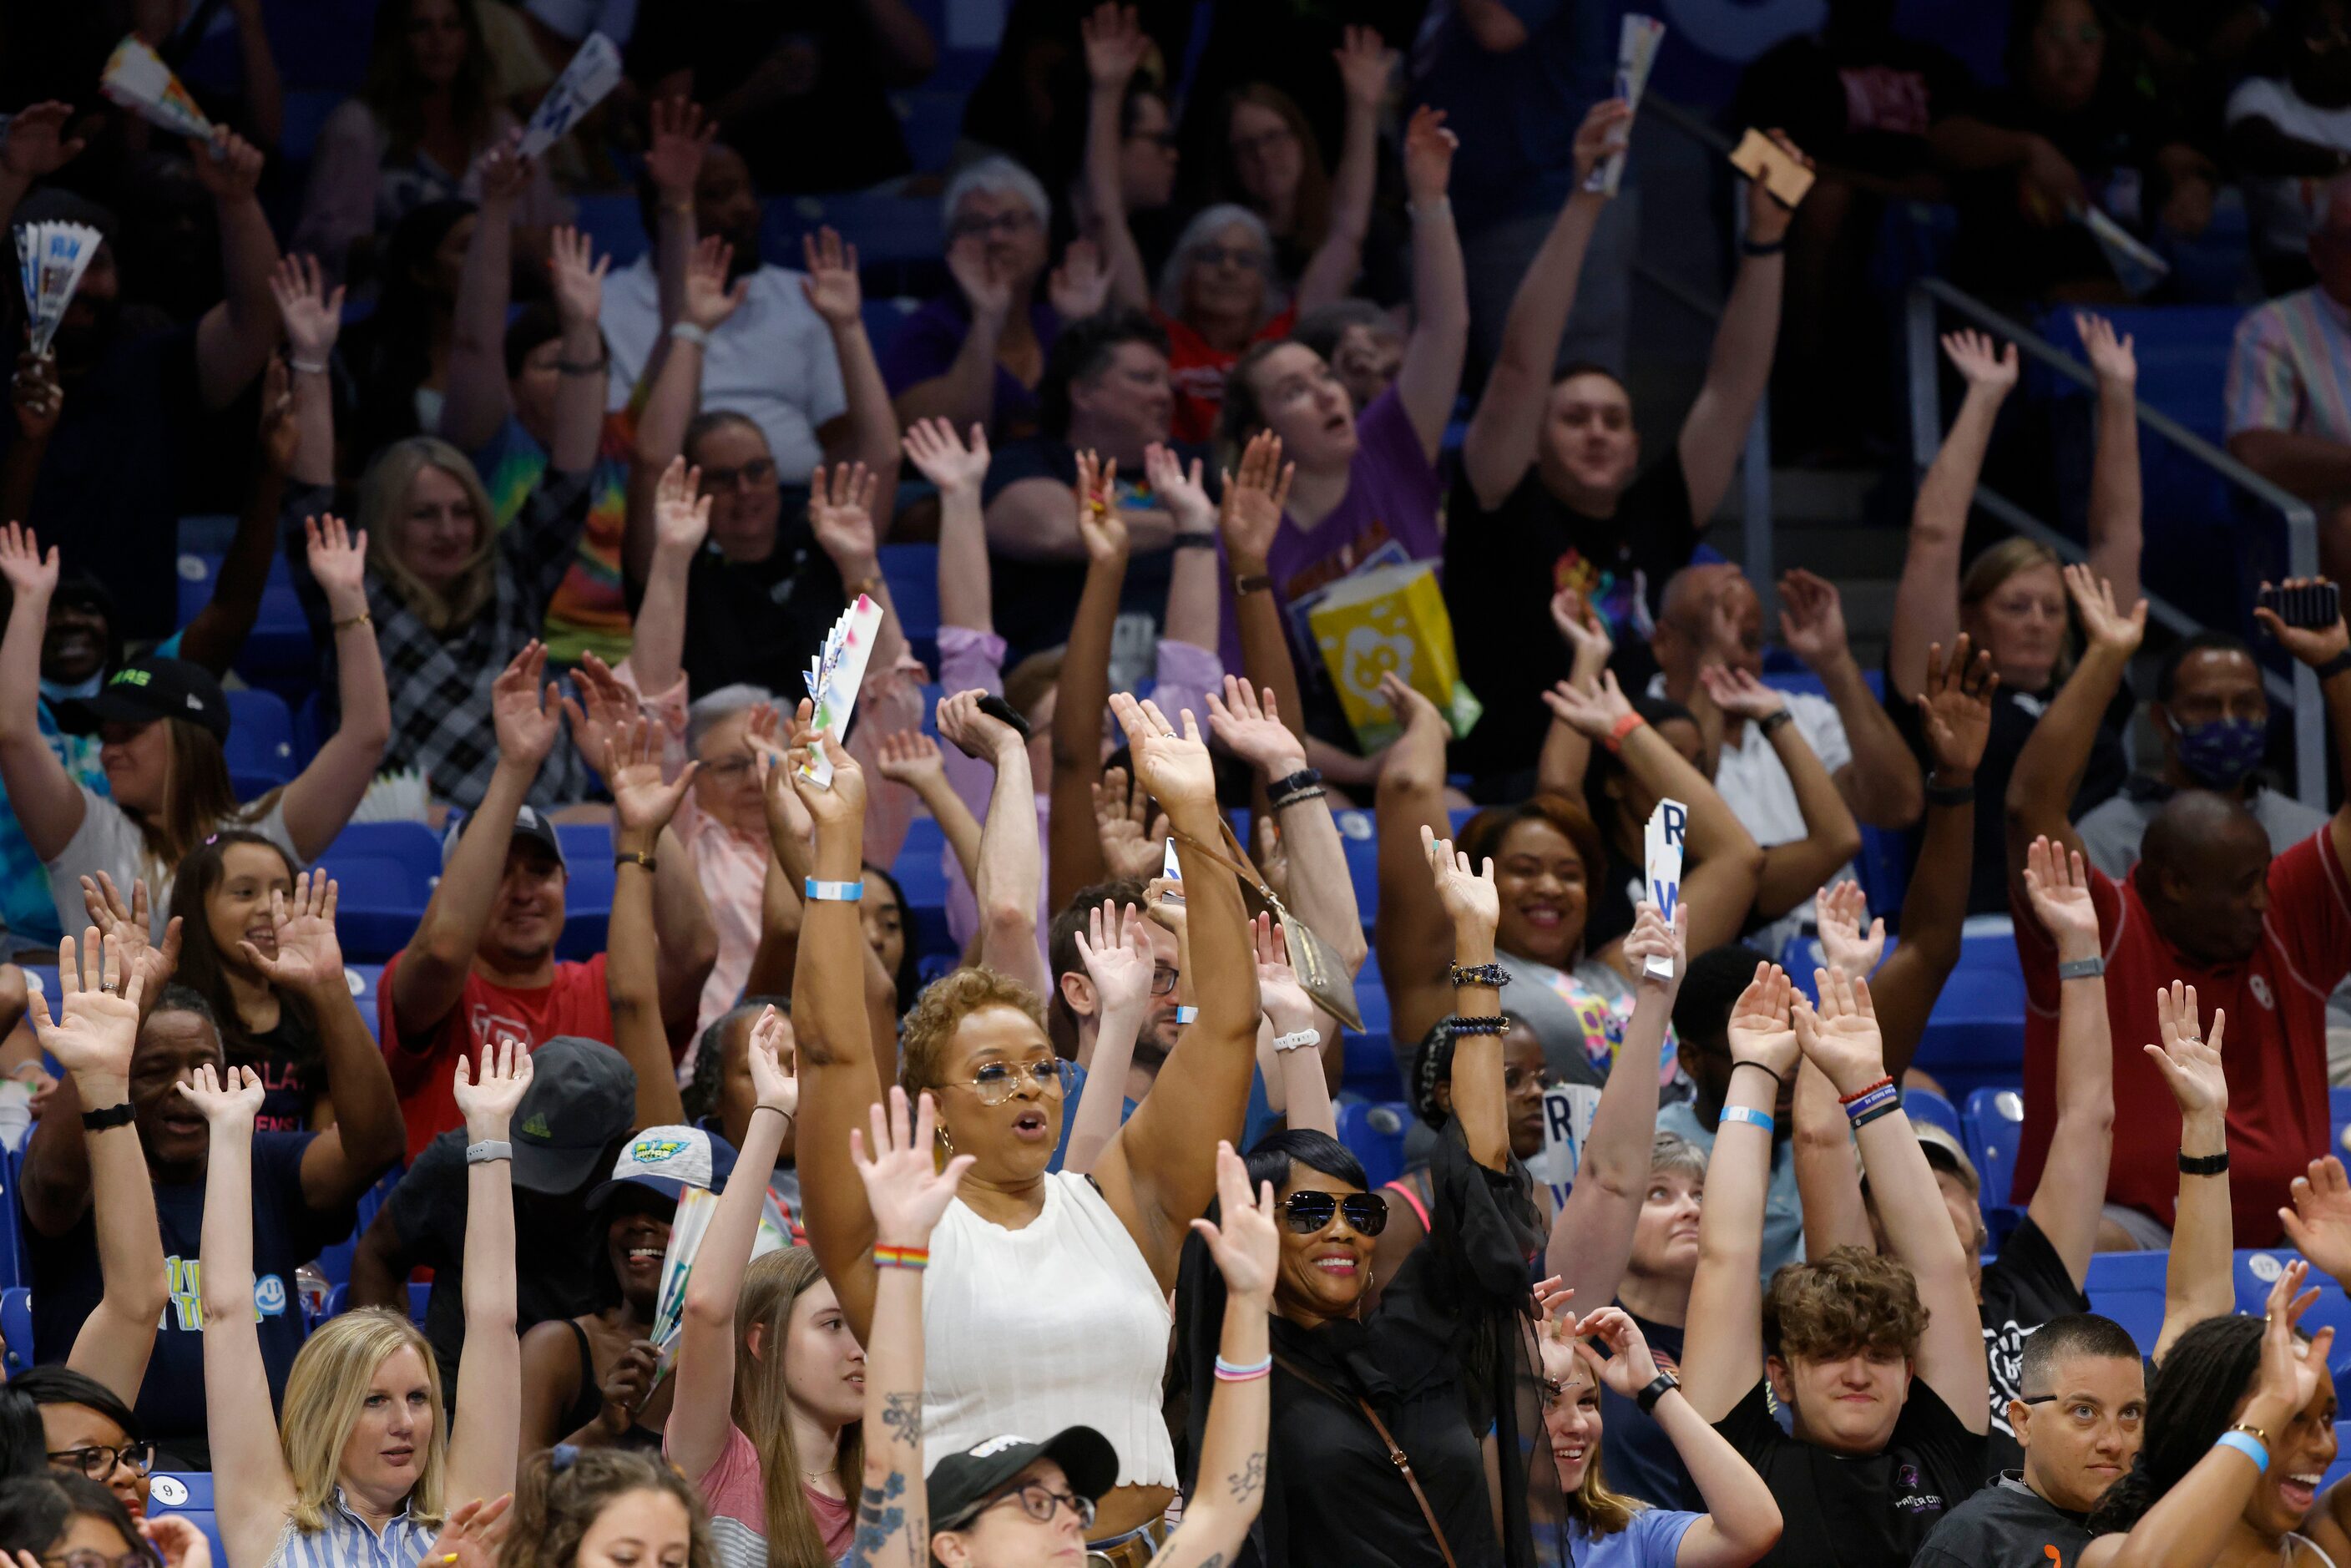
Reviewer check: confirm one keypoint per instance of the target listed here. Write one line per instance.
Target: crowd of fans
(1231, 329)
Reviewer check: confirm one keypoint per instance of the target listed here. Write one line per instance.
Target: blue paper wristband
(1186, 1015)
(2248, 1445)
(1751, 1117)
(834, 892)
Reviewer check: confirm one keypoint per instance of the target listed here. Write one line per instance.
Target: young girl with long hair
(230, 890)
(601, 1508)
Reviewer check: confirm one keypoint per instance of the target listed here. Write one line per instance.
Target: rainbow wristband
(2248, 1445)
(1247, 1372)
(1750, 1116)
(915, 1258)
(1878, 1098)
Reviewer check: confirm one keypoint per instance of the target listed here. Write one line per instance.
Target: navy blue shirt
(1519, 110)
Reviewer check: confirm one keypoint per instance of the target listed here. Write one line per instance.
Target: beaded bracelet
(1243, 1372)
(1490, 1024)
(1866, 1090)
(1492, 975)
(915, 1258)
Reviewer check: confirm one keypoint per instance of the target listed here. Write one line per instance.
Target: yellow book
(1391, 618)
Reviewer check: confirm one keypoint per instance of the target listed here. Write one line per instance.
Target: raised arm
(1567, 751)
(322, 797)
(1797, 869)
(1880, 781)
(1470, 903)
(911, 760)
(1248, 516)
(681, 521)
(312, 316)
(576, 274)
(2050, 767)
(1248, 724)
(2319, 646)
(1009, 873)
(1840, 1037)
(236, 337)
(1413, 938)
(1430, 378)
(1365, 63)
(964, 392)
(1159, 1171)
(642, 806)
(1716, 428)
(870, 424)
(217, 635)
(47, 802)
(705, 303)
(1115, 948)
(1293, 1027)
(2199, 1276)
(1592, 1239)
(1074, 859)
(33, 146)
(1116, 45)
(2071, 1196)
(1927, 599)
(1248, 1249)
(96, 1033)
(2114, 536)
(1719, 1367)
(1500, 443)
(478, 400)
(701, 1410)
(252, 1491)
(487, 1430)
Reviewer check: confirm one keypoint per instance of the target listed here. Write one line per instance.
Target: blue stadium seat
(589, 880)
(614, 225)
(2340, 1468)
(1926, 1105)
(921, 871)
(17, 1326)
(912, 574)
(385, 872)
(1975, 1036)
(2128, 1288)
(420, 1291)
(279, 652)
(930, 121)
(1375, 1134)
(883, 318)
(2258, 1269)
(1359, 842)
(335, 1263)
(2338, 1104)
(1370, 1067)
(365, 981)
(1993, 1123)
(189, 1494)
(260, 747)
(17, 1265)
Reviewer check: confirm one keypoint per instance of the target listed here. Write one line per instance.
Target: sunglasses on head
(1310, 1212)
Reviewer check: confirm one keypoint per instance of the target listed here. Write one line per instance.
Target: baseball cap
(668, 1160)
(962, 1484)
(581, 1097)
(532, 826)
(150, 688)
(1945, 1153)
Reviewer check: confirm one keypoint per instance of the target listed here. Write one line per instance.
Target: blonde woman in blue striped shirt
(363, 1470)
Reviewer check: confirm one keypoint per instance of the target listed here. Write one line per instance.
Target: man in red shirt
(482, 964)
(2262, 939)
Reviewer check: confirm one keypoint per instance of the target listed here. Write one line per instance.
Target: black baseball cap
(581, 1096)
(963, 1484)
(153, 687)
(530, 826)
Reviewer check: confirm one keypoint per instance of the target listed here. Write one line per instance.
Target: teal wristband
(834, 892)
(1751, 1117)
(2248, 1445)
(1186, 1015)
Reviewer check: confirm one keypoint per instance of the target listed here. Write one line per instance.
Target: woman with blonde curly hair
(598, 1506)
(363, 1467)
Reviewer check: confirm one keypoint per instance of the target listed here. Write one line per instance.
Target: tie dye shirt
(589, 612)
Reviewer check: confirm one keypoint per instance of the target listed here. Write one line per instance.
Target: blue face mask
(2219, 754)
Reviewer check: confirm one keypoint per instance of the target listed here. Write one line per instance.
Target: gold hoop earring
(947, 1140)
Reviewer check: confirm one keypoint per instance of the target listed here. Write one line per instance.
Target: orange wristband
(1614, 739)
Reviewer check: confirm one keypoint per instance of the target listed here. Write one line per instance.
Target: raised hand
(2111, 356)
(1768, 217)
(1099, 523)
(2191, 1064)
(774, 1084)
(228, 166)
(304, 952)
(1812, 619)
(1428, 150)
(36, 395)
(2103, 622)
(977, 733)
(842, 520)
(642, 804)
(472, 1534)
(227, 1098)
(843, 804)
(576, 274)
(1242, 1238)
(1365, 63)
(1954, 710)
(1629, 1366)
(487, 1102)
(1254, 501)
(178, 1543)
(2313, 645)
(23, 566)
(2319, 1223)
(1173, 767)
(125, 924)
(930, 445)
(709, 299)
(831, 287)
(36, 145)
(1116, 951)
(1737, 692)
(98, 1023)
(1079, 287)
(503, 171)
(1132, 850)
(526, 720)
(1761, 1029)
(1841, 1036)
(2059, 887)
(1413, 710)
(681, 511)
(905, 1188)
(1594, 709)
(312, 316)
(1253, 731)
(1655, 936)
(1280, 996)
(981, 277)
(603, 705)
(2291, 1366)
(338, 560)
(1585, 633)
(1179, 490)
(1115, 46)
(680, 137)
(909, 757)
(1837, 914)
(1607, 125)
(1467, 893)
(1985, 366)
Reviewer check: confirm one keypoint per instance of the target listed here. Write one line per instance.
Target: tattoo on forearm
(903, 1415)
(879, 1517)
(1249, 1479)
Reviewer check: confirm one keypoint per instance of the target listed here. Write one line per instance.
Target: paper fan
(137, 78)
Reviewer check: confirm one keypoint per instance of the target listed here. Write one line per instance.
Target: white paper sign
(1568, 1110)
(1636, 51)
(1662, 869)
(834, 677)
(594, 72)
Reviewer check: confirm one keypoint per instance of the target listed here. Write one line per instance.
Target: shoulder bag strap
(1396, 1456)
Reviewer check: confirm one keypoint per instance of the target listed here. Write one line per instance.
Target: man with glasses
(1075, 1012)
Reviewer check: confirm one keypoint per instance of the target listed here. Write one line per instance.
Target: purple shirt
(927, 343)
(1387, 517)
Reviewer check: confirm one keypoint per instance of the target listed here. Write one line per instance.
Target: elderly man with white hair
(2289, 392)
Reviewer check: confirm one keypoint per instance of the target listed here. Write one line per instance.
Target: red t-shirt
(1196, 368)
(575, 1003)
(2274, 1048)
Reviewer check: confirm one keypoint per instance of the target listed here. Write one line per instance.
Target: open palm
(97, 1026)
(308, 953)
(905, 1187)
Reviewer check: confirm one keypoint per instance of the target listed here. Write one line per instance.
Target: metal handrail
(2301, 692)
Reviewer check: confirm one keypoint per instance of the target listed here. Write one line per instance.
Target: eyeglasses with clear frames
(996, 1082)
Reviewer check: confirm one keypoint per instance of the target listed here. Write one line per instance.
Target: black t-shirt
(822, 120)
(555, 1249)
(1863, 104)
(2023, 1287)
(293, 1072)
(1635, 1456)
(1033, 601)
(2014, 716)
(287, 1233)
(1501, 569)
(761, 620)
(1854, 1511)
(2006, 1525)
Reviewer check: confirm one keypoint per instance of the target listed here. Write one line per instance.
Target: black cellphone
(2312, 605)
(996, 708)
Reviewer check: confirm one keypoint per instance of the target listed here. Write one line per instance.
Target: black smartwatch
(1648, 1399)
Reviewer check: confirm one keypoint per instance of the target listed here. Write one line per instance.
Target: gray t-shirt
(2111, 831)
(109, 840)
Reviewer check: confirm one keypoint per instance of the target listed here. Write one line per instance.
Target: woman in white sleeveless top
(2240, 1430)
(1047, 1303)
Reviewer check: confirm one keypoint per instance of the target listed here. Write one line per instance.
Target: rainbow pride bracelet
(1243, 1372)
(915, 1258)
